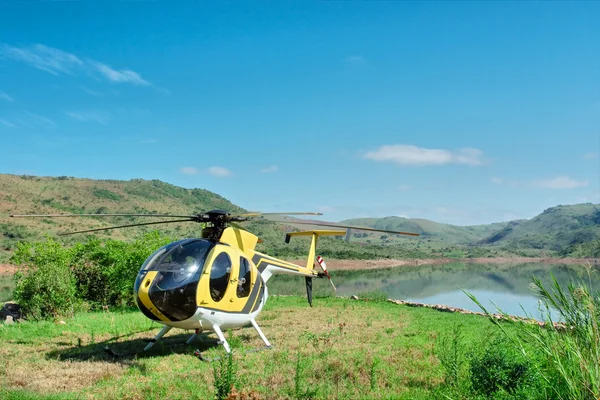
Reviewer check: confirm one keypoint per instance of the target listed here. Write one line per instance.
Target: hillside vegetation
(58, 195)
(446, 233)
(55, 195)
(568, 230)
(563, 230)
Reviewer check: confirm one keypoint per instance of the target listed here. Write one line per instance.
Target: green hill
(446, 233)
(22, 194)
(569, 230)
(54, 195)
(559, 229)
(556, 228)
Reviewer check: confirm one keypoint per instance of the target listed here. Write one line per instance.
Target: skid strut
(262, 335)
(191, 339)
(159, 336)
(223, 341)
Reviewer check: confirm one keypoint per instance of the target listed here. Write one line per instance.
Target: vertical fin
(310, 263)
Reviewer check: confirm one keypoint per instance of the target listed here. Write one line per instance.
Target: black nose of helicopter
(166, 286)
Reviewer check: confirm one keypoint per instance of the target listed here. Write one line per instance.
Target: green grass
(337, 349)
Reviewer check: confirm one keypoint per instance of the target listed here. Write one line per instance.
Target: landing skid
(197, 353)
(223, 341)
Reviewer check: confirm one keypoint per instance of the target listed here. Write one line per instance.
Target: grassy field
(340, 348)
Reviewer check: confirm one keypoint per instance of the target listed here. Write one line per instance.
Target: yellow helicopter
(218, 281)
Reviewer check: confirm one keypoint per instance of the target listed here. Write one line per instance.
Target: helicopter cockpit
(173, 273)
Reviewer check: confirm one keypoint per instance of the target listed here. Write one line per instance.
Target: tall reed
(565, 352)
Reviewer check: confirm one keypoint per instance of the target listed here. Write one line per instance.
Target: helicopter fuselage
(199, 283)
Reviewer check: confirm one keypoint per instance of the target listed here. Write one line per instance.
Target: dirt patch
(8, 269)
(53, 376)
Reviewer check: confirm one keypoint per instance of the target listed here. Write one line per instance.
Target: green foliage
(450, 350)
(48, 288)
(301, 392)
(106, 271)
(374, 295)
(492, 369)
(224, 374)
(584, 250)
(97, 273)
(106, 194)
(565, 355)
(498, 369)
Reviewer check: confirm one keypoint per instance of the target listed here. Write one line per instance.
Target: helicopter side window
(243, 289)
(219, 276)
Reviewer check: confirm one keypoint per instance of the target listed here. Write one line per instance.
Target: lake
(506, 285)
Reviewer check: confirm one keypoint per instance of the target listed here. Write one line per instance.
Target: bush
(59, 278)
(499, 369)
(106, 271)
(48, 288)
(493, 369)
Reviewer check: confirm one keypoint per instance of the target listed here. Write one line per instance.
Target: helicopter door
(244, 282)
(217, 289)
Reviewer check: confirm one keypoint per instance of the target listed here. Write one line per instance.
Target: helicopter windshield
(179, 266)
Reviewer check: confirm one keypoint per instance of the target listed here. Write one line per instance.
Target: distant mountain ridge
(451, 234)
(556, 228)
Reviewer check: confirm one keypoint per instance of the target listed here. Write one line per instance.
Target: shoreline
(350, 265)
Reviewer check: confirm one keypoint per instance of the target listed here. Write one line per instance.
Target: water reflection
(506, 285)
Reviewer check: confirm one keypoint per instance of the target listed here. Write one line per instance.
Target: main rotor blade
(102, 215)
(348, 227)
(125, 226)
(257, 214)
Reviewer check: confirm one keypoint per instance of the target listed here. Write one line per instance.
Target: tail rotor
(324, 268)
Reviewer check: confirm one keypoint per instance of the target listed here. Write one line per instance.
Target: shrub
(47, 289)
(106, 271)
(491, 369)
(224, 374)
(98, 273)
(498, 369)
(106, 194)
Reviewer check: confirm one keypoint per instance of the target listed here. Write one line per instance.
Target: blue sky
(460, 112)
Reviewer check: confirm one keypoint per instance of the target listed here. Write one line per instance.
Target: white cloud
(56, 61)
(404, 187)
(124, 75)
(4, 96)
(413, 155)
(560, 182)
(42, 57)
(219, 171)
(498, 181)
(589, 156)
(89, 116)
(39, 120)
(6, 123)
(189, 170)
(272, 168)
